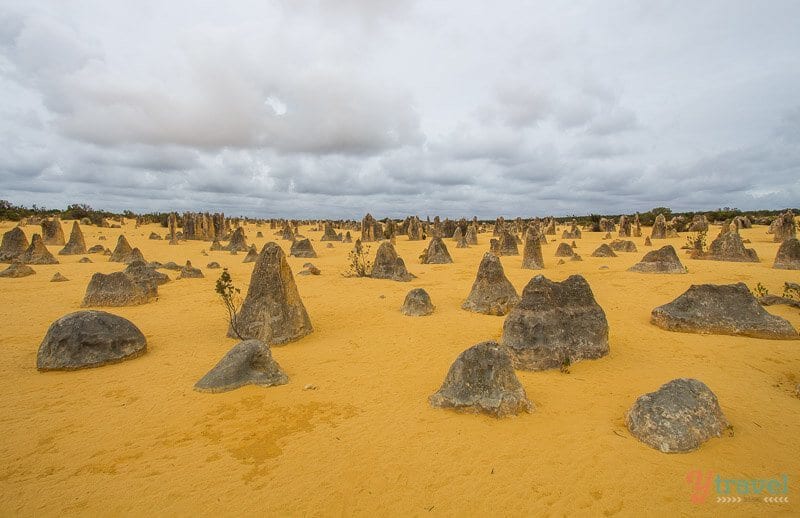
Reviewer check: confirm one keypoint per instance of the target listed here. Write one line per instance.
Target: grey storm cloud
(331, 108)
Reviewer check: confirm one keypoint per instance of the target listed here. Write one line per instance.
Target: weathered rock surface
(89, 339)
(603, 251)
(678, 417)
(57, 277)
(532, 258)
(17, 270)
(388, 265)
(14, 244)
(555, 323)
(272, 311)
(436, 253)
(417, 303)
(252, 255)
(302, 248)
(492, 293)
(37, 253)
(52, 233)
(122, 252)
(564, 250)
(727, 309)
(663, 260)
(118, 289)
(249, 362)
(728, 246)
(76, 244)
(623, 245)
(788, 256)
(190, 272)
(482, 380)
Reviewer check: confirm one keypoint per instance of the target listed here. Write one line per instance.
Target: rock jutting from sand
(122, 252)
(37, 253)
(663, 260)
(272, 311)
(190, 272)
(482, 380)
(492, 293)
(302, 248)
(388, 265)
(87, 339)
(436, 253)
(52, 233)
(76, 244)
(118, 289)
(726, 309)
(788, 256)
(249, 362)
(17, 270)
(678, 417)
(417, 303)
(14, 244)
(555, 324)
(604, 251)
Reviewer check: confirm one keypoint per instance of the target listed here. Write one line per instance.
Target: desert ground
(134, 438)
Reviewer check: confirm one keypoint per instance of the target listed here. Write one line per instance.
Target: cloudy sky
(332, 108)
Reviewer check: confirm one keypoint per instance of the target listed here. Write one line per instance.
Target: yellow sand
(134, 438)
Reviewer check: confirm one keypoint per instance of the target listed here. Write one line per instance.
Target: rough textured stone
(788, 256)
(417, 303)
(603, 251)
(436, 253)
(237, 242)
(122, 252)
(118, 289)
(14, 244)
(272, 310)
(190, 272)
(329, 234)
(154, 236)
(678, 417)
(623, 245)
(555, 323)
(57, 277)
(252, 255)
(482, 380)
(89, 339)
(37, 253)
(388, 265)
(146, 274)
(647, 241)
(564, 250)
(659, 228)
(213, 265)
(85, 260)
(76, 244)
(492, 293)
(532, 258)
(728, 246)
(302, 248)
(52, 233)
(249, 362)
(508, 244)
(727, 309)
(471, 236)
(663, 260)
(16, 270)
(784, 227)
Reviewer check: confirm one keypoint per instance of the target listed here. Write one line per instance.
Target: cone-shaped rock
(302, 248)
(726, 309)
(603, 251)
(37, 253)
(216, 246)
(564, 250)
(190, 272)
(532, 258)
(784, 227)
(252, 255)
(388, 265)
(272, 310)
(14, 244)
(118, 289)
(16, 270)
(508, 244)
(76, 244)
(89, 339)
(647, 241)
(57, 277)
(492, 293)
(788, 256)
(663, 260)
(482, 380)
(555, 323)
(135, 256)
(330, 234)
(154, 236)
(248, 363)
(436, 253)
(728, 246)
(52, 233)
(678, 417)
(122, 252)
(417, 303)
(659, 228)
(237, 242)
(471, 236)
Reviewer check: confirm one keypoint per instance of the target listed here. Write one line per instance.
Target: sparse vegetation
(760, 291)
(565, 363)
(231, 298)
(358, 261)
(791, 291)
